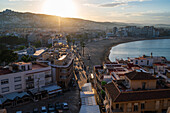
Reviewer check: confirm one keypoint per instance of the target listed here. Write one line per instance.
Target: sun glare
(64, 8)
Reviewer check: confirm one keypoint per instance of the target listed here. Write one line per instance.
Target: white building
(147, 60)
(22, 76)
(58, 39)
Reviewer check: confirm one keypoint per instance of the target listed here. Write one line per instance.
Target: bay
(160, 47)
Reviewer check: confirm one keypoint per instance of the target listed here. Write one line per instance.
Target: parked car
(43, 109)
(51, 108)
(58, 106)
(35, 110)
(65, 106)
(19, 112)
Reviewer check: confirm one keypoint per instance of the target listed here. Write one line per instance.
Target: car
(43, 109)
(19, 112)
(58, 106)
(51, 108)
(35, 110)
(65, 106)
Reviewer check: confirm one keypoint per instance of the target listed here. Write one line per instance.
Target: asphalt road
(71, 97)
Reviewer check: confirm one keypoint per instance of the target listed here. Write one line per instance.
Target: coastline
(99, 50)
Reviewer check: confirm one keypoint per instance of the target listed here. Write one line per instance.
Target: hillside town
(51, 64)
(57, 79)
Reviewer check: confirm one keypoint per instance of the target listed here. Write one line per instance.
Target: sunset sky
(131, 11)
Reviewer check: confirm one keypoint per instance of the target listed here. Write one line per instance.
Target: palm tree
(83, 45)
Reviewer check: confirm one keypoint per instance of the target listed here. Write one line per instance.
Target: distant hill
(12, 19)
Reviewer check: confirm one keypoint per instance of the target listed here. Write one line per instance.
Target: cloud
(23, 0)
(114, 4)
(131, 0)
(120, 2)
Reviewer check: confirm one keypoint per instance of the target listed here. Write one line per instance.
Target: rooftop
(118, 96)
(35, 66)
(4, 71)
(38, 66)
(140, 76)
(89, 109)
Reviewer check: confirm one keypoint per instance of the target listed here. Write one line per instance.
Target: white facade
(20, 81)
(147, 61)
(142, 62)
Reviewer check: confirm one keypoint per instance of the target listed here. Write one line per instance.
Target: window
(19, 86)
(143, 85)
(23, 68)
(136, 62)
(117, 106)
(17, 79)
(29, 67)
(5, 89)
(142, 105)
(136, 107)
(157, 105)
(165, 103)
(63, 77)
(4, 81)
(147, 62)
(129, 107)
(64, 70)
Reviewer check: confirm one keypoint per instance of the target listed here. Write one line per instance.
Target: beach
(100, 50)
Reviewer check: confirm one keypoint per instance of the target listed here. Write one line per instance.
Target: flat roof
(89, 109)
(5, 71)
(62, 57)
(38, 66)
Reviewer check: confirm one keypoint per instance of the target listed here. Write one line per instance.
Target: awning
(55, 92)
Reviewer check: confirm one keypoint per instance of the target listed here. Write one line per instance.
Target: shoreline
(106, 57)
(99, 50)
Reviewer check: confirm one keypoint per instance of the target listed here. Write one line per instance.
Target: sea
(159, 47)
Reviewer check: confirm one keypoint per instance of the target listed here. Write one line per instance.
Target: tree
(7, 56)
(103, 83)
(73, 41)
(82, 45)
(68, 39)
(37, 44)
(27, 58)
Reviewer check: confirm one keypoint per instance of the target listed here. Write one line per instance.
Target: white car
(43, 109)
(65, 106)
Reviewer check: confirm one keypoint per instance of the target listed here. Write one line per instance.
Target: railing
(117, 110)
(30, 80)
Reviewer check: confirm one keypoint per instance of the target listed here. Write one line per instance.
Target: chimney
(151, 55)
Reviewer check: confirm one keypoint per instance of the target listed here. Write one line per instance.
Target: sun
(64, 8)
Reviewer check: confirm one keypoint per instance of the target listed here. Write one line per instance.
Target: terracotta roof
(118, 96)
(140, 76)
(159, 64)
(112, 90)
(4, 71)
(143, 95)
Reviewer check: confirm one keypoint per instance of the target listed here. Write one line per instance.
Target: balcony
(30, 80)
(63, 77)
(47, 76)
(117, 111)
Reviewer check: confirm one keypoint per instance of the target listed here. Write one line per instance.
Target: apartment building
(22, 76)
(62, 70)
(147, 60)
(138, 93)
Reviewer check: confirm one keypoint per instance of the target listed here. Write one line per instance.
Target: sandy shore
(100, 50)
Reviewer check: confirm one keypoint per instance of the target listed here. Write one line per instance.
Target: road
(71, 97)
